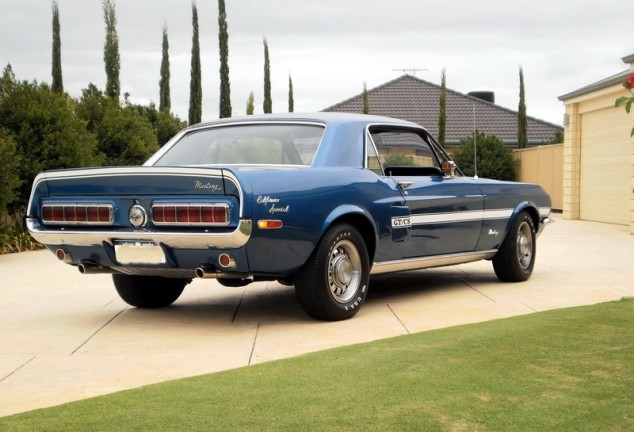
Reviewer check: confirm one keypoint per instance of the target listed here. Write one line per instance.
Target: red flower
(629, 82)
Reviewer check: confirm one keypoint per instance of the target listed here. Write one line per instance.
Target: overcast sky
(330, 47)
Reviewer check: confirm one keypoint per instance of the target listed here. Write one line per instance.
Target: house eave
(599, 85)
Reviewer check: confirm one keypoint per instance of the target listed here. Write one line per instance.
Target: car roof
(329, 118)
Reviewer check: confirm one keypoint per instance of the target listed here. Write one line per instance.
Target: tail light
(191, 214)
(77, 214)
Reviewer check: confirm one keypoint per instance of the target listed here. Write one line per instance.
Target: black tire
(333, 284)
(515, 259)
(148, 292)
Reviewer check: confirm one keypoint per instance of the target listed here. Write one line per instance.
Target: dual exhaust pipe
(84, 267)
(203, 271)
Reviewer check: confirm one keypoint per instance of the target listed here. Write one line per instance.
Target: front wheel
(148, 292)
(515, 259)
(333, 284)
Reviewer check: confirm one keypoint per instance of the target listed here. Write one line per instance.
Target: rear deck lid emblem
(137, 216)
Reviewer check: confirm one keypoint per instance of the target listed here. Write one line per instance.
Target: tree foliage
(558, 138)
(195, 83)
(250, 104)
(366, 100)
(111, 57)
(164, 124)
(494, 159)
(291, 97)
(9, 169)
(267, 105)
(522, 122)
(58, 84)
(165, 102)
(46, 132)
(223, 41)
(124, 135)
(442, 115)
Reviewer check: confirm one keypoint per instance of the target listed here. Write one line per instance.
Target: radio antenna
(410, 71)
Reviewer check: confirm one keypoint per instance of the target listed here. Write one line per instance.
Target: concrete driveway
(66, 336)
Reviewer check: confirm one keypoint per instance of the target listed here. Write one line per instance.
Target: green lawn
(564, 370)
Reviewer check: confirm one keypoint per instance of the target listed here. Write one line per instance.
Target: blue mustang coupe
(318, 201)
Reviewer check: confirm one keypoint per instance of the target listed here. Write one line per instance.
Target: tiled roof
(417, 100)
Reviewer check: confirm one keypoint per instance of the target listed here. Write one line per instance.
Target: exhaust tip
(200, 273)
(92, 268)
(63, 255)
(206, 271)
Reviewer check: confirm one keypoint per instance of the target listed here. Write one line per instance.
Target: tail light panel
(59, 213)
(191, 214)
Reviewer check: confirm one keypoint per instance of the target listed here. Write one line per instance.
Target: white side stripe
(464, 216)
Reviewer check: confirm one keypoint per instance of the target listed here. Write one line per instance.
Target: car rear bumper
(175, 240)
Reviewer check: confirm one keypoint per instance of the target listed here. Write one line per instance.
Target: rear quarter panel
(308, 202)
(513, 198)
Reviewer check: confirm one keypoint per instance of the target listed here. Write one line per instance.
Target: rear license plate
(138, 252)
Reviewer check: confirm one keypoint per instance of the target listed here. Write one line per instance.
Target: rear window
(251, 144)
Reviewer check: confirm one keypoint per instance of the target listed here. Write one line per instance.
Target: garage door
(605, 166)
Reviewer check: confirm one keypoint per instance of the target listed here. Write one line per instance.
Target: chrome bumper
(176, 240)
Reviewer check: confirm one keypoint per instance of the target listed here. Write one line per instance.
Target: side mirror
(448, 168)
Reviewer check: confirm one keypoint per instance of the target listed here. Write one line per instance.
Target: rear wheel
(333, 284)
(515, 259)
(148, 292)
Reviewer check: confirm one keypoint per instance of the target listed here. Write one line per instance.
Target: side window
(405, 153)
(371, 158)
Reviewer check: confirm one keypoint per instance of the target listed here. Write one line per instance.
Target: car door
(438, 215)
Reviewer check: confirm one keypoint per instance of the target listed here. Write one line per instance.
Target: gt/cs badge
(137, 216)
(401, 222)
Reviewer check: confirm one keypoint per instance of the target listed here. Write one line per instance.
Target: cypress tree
(522, 123)
(442, 115)
(267, 105)
(58, 84)
(291, 99)
(366, 100)
(250, 104)
(165, 102)
(195, 86)
(223, 41)
(111, 51)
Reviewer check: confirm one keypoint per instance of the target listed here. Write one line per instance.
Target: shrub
(14, 238)
(494, 159)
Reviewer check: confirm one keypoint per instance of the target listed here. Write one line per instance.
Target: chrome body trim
(429, 262)
(181, 240)
(542, 224)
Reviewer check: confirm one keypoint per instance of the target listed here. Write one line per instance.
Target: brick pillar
(572, 163)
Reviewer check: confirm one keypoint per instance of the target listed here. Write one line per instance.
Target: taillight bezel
(191, 214)
(77, 213)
